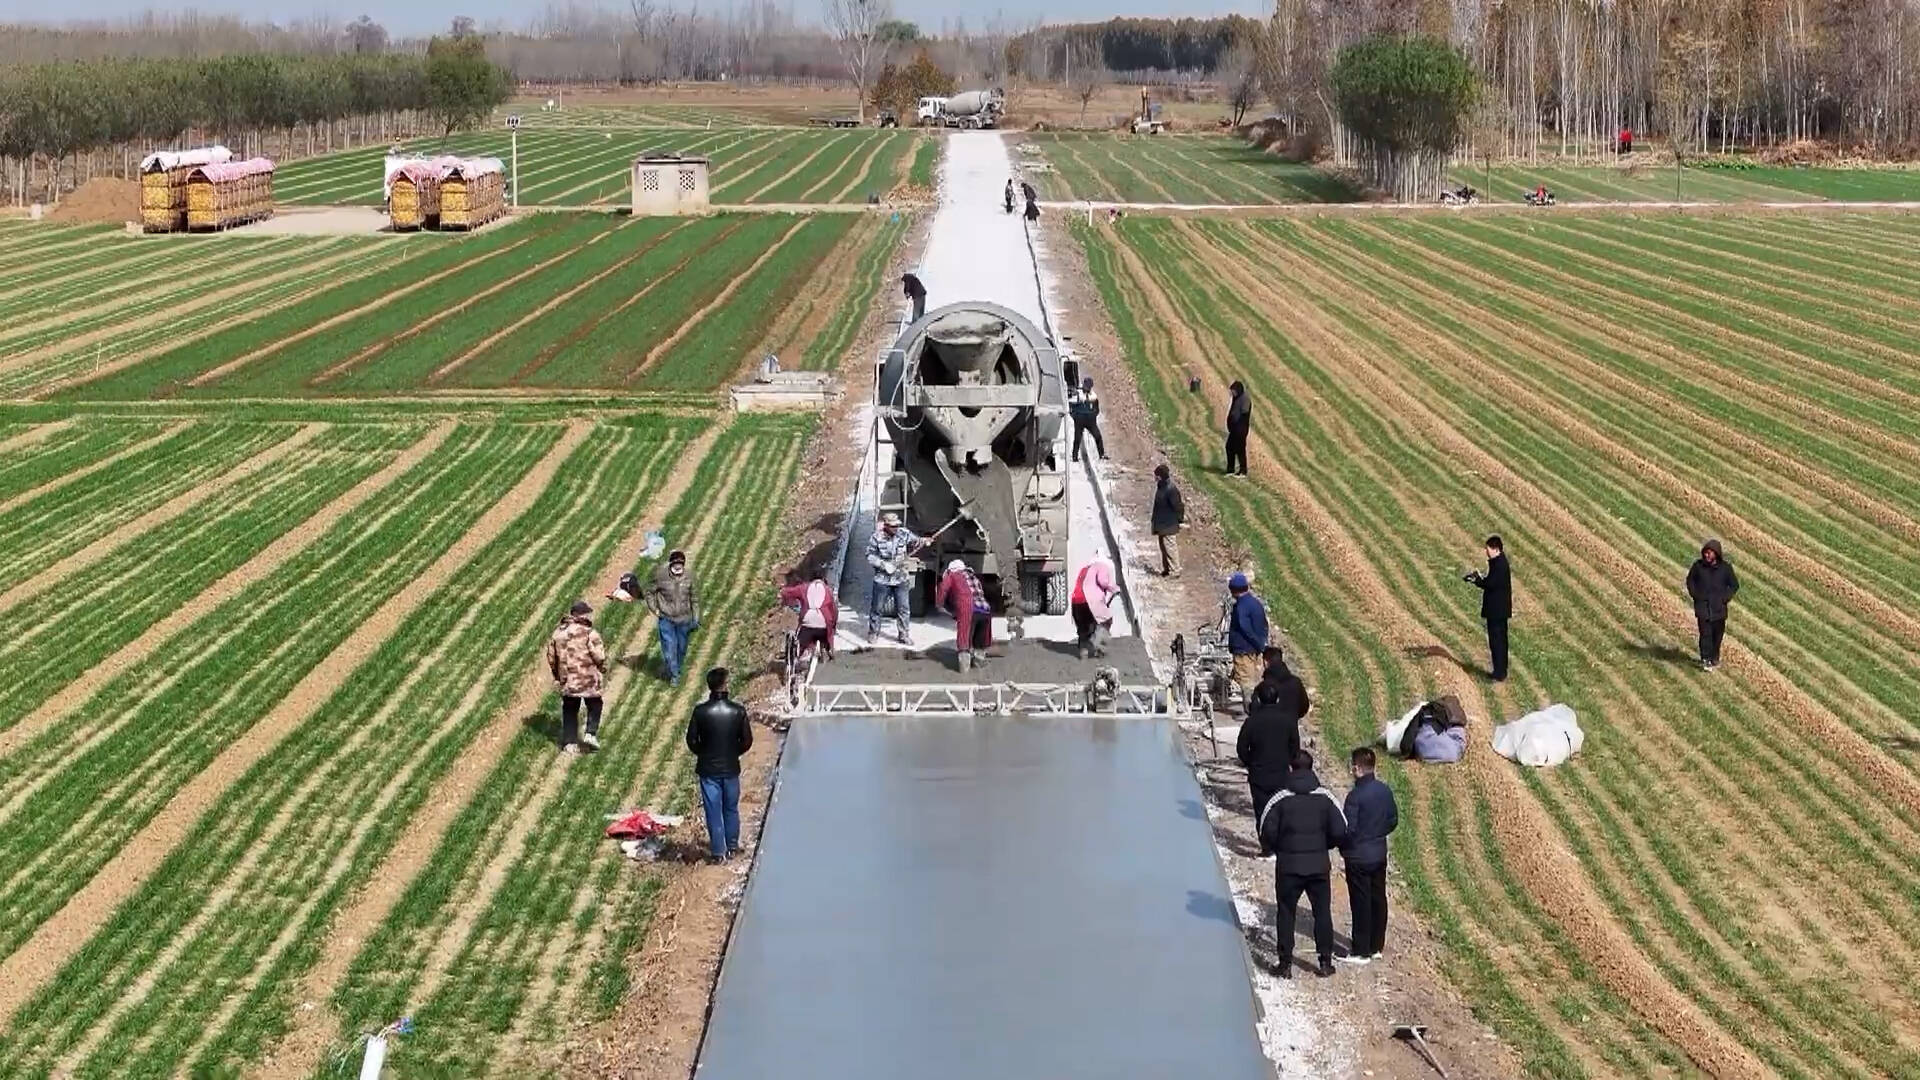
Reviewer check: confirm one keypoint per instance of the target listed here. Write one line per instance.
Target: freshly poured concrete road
(955, 899)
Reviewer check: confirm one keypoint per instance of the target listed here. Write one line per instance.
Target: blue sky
(420, 16)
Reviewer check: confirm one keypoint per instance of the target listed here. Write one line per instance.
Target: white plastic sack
(1547, 737)
(1397, 729)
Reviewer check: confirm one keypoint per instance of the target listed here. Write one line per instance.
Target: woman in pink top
(1093, 593)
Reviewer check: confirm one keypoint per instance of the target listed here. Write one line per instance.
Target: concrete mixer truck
(973, 109)
(972, 399)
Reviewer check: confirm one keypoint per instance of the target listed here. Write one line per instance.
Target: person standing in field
(1083, 405)
(963, 597)
(1092, 606)
(675, 603)
(718, 736)
(1169, 517)
(1711, 584)
(1246, 633)
(578, 660)
(1371, 817)
(1239, 423)
(887, 553)
(1270, 738)
(1496, 604)
(916, 292)
(1300, 824)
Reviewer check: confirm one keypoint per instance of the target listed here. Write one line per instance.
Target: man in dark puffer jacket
(1271, 735)
(1371, 817)
(1300, 825)
(719, 735)
(1711, 584)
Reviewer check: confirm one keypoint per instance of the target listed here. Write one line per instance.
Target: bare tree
(1239, 76)
(1088, 72)
(855, 26)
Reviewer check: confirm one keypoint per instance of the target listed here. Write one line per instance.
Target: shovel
(1416, 1034)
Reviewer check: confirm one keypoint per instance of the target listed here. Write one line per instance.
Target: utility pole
(513, 126)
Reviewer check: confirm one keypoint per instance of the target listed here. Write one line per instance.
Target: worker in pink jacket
(819, 614)
(1093, 593)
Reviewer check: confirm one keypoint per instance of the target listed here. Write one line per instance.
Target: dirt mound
(103, 198)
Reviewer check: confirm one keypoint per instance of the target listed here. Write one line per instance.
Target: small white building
(669, 184)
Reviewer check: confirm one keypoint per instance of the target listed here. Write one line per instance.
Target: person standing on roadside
(578, 659)
(718, 736)
(1711, 584)
(1271, 736)
(916, 292)
(1300, 824)
(675, 603)
(1239, 423)
(1083, 405)
(1169, 517)
(1496, 603)
(1246, 633)
(1371, 817)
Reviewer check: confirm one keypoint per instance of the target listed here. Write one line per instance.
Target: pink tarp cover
(235, 170)
(175, 159)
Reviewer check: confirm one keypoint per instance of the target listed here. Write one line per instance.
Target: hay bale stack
(413, 197)
(163, 185)
(223, 196)
(472, 192)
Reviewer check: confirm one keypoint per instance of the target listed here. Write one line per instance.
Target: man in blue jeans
(675, 602)
(889, 553)
(719, 735)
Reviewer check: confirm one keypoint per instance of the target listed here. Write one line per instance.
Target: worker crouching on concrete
(578, 659)
(1092, 606)
(961, 595)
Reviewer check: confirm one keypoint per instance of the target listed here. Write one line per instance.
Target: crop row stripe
(719, 300)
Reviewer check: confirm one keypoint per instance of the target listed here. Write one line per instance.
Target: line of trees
(76, 111)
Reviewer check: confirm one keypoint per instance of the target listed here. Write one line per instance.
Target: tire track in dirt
(1549, 872)
(35, 435)
(61, 936)
(70, 698)
(108, 462)
(222, 371)
(825, 145)
(122, 362)
(1328, 537)
(582, 332)
(158, 516)
(436, 318)
(313, 1029)
(495, 338)
(720, 299)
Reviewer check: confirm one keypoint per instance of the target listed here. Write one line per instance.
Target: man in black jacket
(1271, 735)
(1371, 817)
(1239, 423)
(1300, 824)
(1169, 517)
(719, 735)
(1083, 406)
(1711, 583)
(1496, 603)
(916, 292)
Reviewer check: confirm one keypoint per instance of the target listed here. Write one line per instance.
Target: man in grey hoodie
(675, 602)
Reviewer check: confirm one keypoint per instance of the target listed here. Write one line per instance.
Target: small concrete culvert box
(666, 184)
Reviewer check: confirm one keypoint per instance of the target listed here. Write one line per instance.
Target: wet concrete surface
(1025, 661)
(949, 898)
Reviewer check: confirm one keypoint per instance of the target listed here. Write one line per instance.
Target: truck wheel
(922, 593)
(1033, 593)
(1057, 594)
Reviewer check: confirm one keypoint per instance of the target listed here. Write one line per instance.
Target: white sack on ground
(1547, 737)
(1396, 730)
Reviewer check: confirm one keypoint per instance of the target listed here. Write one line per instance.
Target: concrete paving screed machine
(973, 398)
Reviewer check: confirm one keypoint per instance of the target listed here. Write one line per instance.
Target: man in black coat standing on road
(1371, 818)
(1239, 423)
(1300, 825)
(1169, 517)
(1496, 603)
(719, 735)
(1711, 583)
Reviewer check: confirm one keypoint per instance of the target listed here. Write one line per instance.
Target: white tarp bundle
(1547, 737)
(1396, 730)
(169, 160)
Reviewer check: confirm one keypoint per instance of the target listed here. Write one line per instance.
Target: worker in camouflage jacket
(578, 659)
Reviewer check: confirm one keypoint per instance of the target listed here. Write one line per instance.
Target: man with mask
(674, 601)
